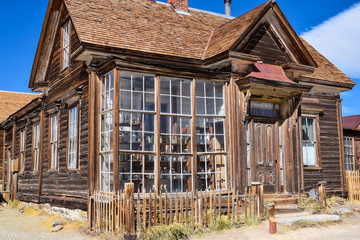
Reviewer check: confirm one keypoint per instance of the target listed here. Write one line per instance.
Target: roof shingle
(154, 27)
(10, 102)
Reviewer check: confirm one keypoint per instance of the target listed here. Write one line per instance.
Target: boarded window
(309, 141)
(349, 153)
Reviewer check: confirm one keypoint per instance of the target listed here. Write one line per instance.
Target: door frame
(279, 188)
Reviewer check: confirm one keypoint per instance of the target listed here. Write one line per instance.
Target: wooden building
(10, 102)
(351, 126)
(170, 97)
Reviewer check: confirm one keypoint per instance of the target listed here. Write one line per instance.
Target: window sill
(313, 168)
(73, 170)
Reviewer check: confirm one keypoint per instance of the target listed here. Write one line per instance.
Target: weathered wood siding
(1, 157)
(60, 186)
(330, 170)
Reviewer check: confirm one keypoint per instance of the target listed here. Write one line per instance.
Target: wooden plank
(182, 207)
(205, 209)
(138, 211)
(246, 204)
(161, 208)
(144, 210)
(129, 196)
(116, 130)
(155, 208)
(193, 135)
(171, 208)
(228, 205)
(186, 208)
(176, 207)
(201, 209)
(157, 136)
(92, 141)
(211, 207)
(192, 212)
(41, 150)
(150, 209)
(237, 206)
(166, 208)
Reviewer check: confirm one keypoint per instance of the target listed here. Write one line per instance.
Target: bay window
(136, 130)
(175, 134)
(155, 116)
(106, 132)
(210, 135)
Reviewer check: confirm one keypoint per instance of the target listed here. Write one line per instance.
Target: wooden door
(265, 156)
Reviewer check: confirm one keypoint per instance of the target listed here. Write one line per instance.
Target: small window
(36, 153)
(73, 137)
(22, 151)
(66, 45)
(309, 141)
(349, 153)
(54, 142)
(263, 109)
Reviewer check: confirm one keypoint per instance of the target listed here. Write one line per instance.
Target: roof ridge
(5, 91)
(207, 45)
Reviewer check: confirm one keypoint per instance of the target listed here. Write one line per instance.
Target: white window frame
(66, 45)
(22, 150)
(349, 153)
(36, 151)
(305, 157)
(54, 136)
(106, 135)
(73, 138)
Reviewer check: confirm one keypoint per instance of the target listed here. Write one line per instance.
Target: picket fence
(126, 212)
(353, 184)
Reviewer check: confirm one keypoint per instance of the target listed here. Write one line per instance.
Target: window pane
(137, 82)
(262, 109)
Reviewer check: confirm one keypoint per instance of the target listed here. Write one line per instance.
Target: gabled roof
(154, 27)
(142, 25)
(10, 102)
(351, 122)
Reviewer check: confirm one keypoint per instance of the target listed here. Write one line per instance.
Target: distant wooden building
(174, 98)
(10, 102)
(351, 125)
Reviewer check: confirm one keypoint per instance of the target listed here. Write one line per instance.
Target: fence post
(129, 196)
(322, 193)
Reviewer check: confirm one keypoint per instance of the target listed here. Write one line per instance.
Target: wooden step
(272, 197)
(285, 201)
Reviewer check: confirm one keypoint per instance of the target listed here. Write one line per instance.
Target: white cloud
(338, 39)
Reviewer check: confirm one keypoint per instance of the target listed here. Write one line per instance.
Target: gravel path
(16, 226)
(349, 229)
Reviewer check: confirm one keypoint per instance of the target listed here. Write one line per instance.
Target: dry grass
(310, 224)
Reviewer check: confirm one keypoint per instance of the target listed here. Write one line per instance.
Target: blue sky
(316, 21)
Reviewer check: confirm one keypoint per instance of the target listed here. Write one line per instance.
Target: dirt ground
(348, 228)
(16, 226)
